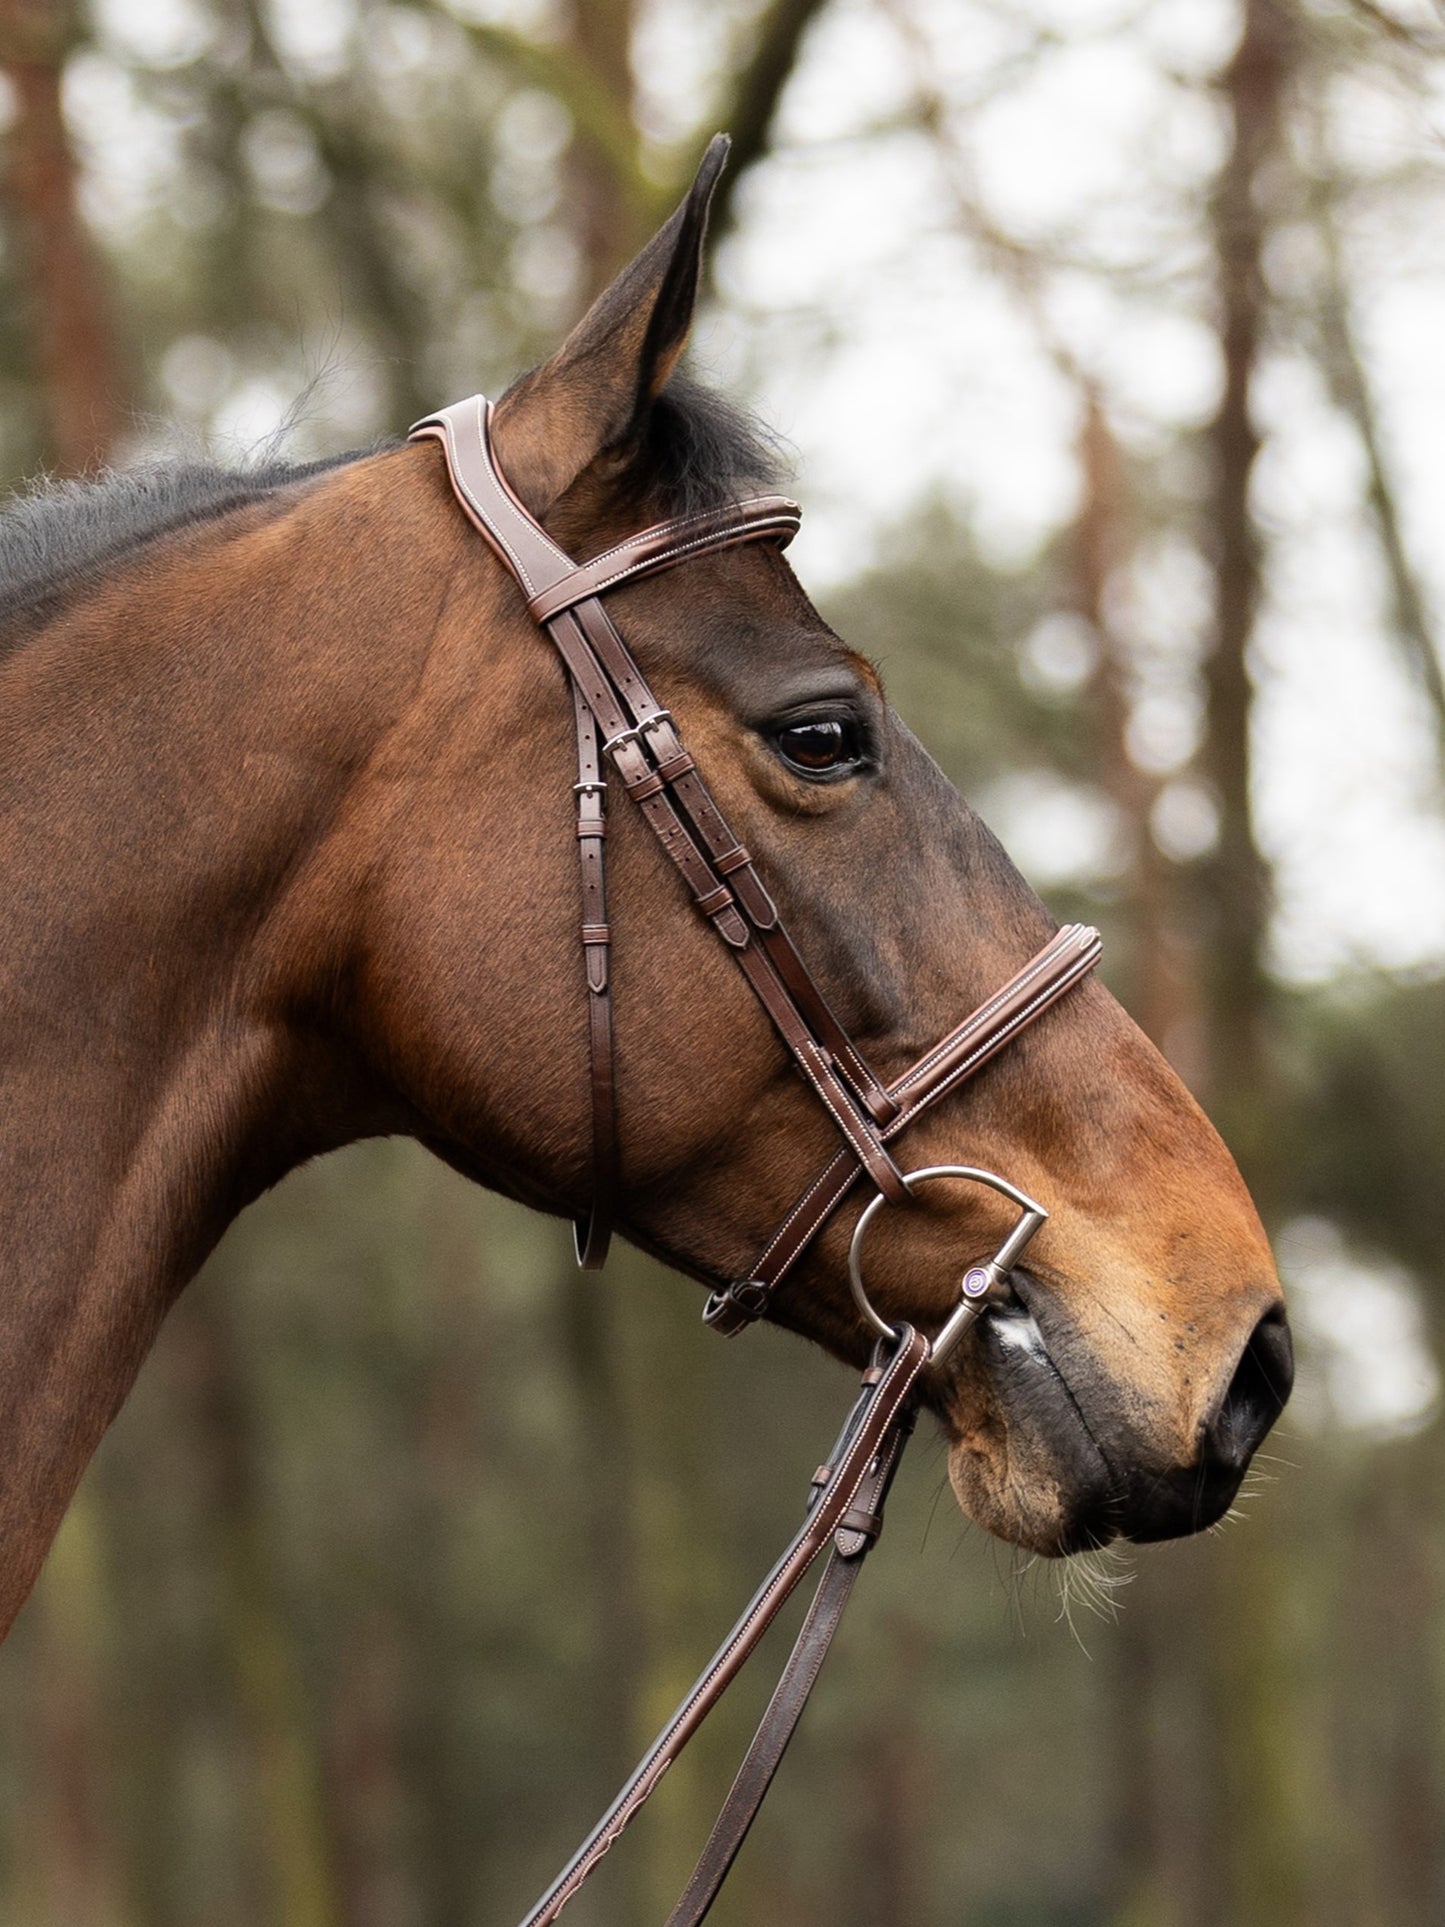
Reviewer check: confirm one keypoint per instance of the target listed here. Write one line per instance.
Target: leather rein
(620, 724)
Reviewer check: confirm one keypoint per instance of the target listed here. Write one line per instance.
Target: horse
(287, 835)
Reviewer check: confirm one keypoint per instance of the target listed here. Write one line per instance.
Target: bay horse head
(288, 828)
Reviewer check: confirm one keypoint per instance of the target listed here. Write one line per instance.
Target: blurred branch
(752, 98)
(1400, 31)
(1349, 385)
(355, 229)
(1017, 264)
(604, 118)
(391, 302)
(597, 112)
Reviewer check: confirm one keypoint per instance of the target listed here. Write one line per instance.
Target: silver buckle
(637, 731)
(977, 1281)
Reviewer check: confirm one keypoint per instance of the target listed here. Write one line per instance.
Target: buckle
(637, 731)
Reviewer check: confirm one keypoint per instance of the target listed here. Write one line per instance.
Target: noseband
(619, 723)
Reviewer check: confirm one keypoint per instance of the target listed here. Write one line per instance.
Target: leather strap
(1068, 957)
(659, 547)
(854, 1540)
(884, 1403)
(594, 1233)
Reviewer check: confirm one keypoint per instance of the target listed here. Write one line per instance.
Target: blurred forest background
(396, 1555)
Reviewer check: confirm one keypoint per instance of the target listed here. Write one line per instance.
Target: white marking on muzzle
(1017, 1330)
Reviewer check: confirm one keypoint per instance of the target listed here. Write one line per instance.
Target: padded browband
(552, 581)
(759, 518)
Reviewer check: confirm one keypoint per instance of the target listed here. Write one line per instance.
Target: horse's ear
(594, 393)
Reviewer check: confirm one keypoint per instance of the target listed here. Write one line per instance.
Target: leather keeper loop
(596, 933)
(731, 860)
(855, 1529)
(592, 826)
(734, 1308)
(731, 928)
(721, 1315)
(645, 786)
(711, 901)
(753, 897)
(674, 766)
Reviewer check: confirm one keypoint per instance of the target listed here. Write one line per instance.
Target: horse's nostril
(1256, 1395)
(1190, 1497)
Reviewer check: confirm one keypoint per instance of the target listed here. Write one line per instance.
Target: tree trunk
(77, 361)
(604, 218)
(1256, 1848)
(78, 1880)
(1253, 85)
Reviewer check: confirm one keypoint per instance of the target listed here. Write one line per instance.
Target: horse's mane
(697, 451)
(63, 534)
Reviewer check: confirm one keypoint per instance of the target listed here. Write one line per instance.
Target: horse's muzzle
(1053, 1453)
(1191, 1497)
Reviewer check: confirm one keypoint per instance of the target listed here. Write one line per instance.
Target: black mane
(64, 534)
(697, 451)
(701, 451)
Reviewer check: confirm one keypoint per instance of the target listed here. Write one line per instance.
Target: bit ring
(977, 1280)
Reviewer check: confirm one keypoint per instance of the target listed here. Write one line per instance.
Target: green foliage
(1371, 1131)
(946, 628)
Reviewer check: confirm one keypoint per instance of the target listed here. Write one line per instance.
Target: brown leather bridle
(619, 720)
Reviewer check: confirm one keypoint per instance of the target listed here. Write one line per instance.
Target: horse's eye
(820, 746)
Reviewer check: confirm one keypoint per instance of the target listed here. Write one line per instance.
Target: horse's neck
(170, 749)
